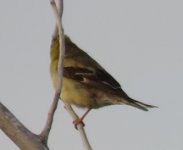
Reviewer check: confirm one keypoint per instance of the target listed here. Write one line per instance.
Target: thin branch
(18, 133)
(46, 130)
(45, 133)
(58, 11)
(80, 128)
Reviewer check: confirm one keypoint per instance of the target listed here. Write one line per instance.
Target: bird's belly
(75, 93)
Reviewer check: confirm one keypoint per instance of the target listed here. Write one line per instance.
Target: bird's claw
(77, 122)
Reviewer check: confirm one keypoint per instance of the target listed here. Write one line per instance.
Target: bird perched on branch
(85, 83)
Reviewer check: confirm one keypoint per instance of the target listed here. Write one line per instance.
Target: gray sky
(138, 42)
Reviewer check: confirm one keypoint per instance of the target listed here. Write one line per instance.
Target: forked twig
(58, 11)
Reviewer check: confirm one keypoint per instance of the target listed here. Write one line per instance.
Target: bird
(86, 83)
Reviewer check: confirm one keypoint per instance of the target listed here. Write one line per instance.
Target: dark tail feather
(139, 105)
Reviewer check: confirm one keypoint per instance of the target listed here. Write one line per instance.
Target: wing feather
(99, 76)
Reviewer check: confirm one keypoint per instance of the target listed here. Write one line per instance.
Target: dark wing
(84, 74)
(107, 79)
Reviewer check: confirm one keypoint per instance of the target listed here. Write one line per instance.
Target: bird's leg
(80, 120)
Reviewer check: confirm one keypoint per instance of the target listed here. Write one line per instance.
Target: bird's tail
(139, 105)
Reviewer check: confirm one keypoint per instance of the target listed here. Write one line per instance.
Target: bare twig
(45, 133)
(18, 133)
(58, 11)
(80, 128)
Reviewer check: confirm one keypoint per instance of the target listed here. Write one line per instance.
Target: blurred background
(138, 42)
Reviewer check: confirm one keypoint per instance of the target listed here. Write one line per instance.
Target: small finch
(87, 84)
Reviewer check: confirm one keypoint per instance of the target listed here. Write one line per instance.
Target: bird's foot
(77, 122)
